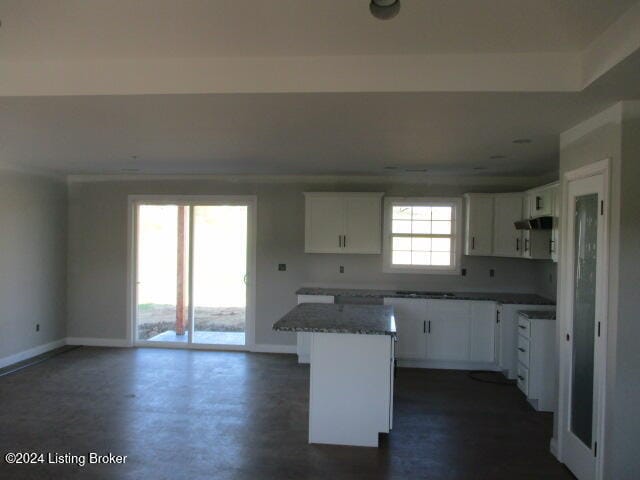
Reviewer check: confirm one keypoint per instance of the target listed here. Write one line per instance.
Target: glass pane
(441, 213)
(401, 258)
(585, 256)
(402, 213)
(440, 258)
(442, 228)
(402, 243)
(162, 294)
(219, 274)
(423, 244)
(421, 213)
(401, 226)
(421, 227)
(420, 258)
(441, 244)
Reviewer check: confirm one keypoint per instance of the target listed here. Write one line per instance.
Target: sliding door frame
(134, 201)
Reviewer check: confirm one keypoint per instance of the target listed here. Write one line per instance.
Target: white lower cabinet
(537, 362)
(411, 319)
(445, 333)
(448, 329)
(507, 347)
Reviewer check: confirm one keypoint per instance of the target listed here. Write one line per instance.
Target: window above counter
(422, 235)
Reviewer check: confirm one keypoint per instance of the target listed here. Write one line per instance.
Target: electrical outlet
(37, 327)
(341, 269)
(492, 272)
(464, 272)
(282, 267)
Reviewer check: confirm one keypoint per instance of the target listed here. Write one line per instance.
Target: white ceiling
(64, 29)
(341, 124)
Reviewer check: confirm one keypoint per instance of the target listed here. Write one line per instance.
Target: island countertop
(333, 318)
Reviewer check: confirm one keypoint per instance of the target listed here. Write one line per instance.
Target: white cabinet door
(479, 235)
(410, 315)
(482, 341)
(555, 237)
(540, 203)
(363, 225)
(324, 223)
(537, 244)
(507, 241)
(448, 329)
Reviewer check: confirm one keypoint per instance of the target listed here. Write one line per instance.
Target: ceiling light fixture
(384, 9)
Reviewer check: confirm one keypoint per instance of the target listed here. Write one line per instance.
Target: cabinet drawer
(524, 327)
(523, 351)
(523, 379)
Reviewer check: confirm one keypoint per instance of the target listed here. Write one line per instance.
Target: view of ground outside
(219, 269)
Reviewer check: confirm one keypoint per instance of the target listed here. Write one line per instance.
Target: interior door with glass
(585, 310)
(191, 273)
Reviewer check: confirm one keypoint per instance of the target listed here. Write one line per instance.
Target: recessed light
(497, 157)
(521, 141)
(384, 9)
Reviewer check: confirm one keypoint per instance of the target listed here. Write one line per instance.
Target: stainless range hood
(540, 223)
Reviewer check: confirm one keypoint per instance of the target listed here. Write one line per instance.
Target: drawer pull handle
(521, 349)
(521, 377)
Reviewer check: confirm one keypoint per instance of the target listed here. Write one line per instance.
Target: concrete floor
(201, 337)
(222, 415)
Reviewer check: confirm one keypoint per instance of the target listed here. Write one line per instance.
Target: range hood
(540, 223)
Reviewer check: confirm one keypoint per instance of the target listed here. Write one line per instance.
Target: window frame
(457, 232)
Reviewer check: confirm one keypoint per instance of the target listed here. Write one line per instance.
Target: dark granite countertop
(538, 314)
(332, 318)
(505, 298)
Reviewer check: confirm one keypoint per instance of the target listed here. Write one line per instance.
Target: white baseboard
(271, 348)
(32, 352)
(448, 365)
(553, 447)
(98, 342)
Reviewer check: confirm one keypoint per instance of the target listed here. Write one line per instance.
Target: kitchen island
(351, 371)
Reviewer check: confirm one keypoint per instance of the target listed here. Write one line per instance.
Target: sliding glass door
(191, 272)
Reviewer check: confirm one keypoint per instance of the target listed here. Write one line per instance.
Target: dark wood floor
(193, 414)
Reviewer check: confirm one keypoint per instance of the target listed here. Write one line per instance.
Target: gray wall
(33, 212)
(625, 427)
(619, 142)
(97, 267)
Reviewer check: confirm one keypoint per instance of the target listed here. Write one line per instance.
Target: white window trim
(456, 203)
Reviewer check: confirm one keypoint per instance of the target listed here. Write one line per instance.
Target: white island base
(351, 388)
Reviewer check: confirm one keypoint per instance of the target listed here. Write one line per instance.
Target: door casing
(251, 202)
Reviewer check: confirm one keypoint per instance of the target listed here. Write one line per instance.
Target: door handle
(344, 241)
(538, 202)
(429, 327)
(473, 243)
(526, 244)
(517, 244)
(424, 326)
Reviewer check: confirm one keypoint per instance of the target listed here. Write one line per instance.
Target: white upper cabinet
(343, 222)
(507, 240)
(479, 223)
(540, 202)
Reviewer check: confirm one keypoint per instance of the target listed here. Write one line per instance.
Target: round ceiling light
(384, 9)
